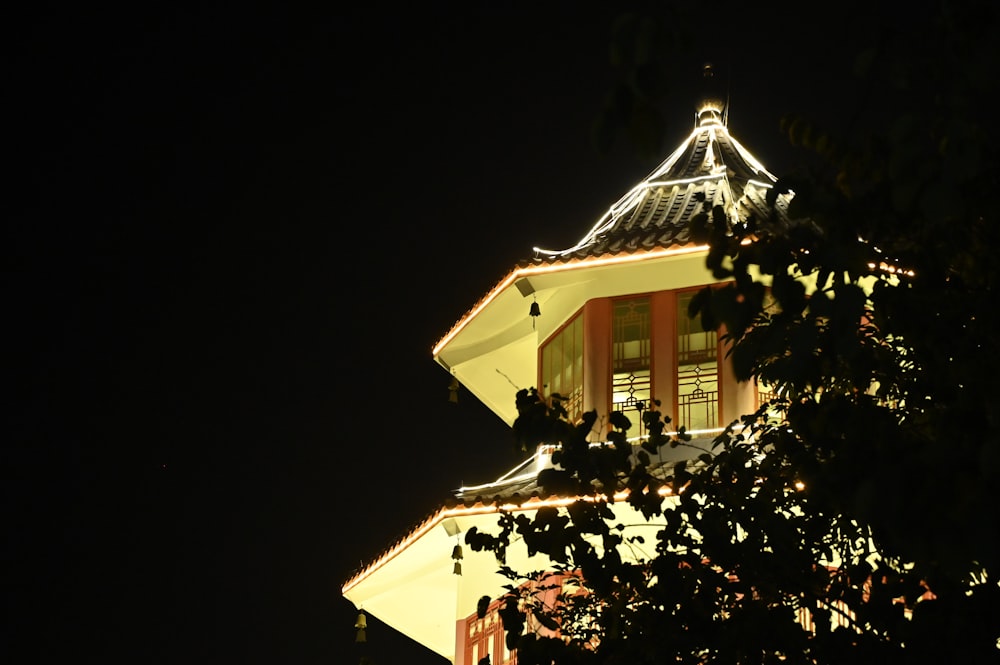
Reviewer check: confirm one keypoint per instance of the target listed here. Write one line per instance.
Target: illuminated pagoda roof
(656, 212)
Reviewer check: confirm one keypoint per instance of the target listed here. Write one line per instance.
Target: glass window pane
(630, 342)
(562, 367)
(697, 371)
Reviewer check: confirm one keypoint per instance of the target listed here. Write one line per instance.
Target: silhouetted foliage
(860, 501)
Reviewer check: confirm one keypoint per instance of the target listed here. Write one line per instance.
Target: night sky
(231, 240)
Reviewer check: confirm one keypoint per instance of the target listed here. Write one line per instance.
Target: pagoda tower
(603, 322)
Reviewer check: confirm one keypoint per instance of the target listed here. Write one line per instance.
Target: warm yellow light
(534, 503)
(529, 271)
(712, 130)
(892, 270)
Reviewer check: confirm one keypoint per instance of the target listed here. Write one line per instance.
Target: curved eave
(493, 349)
(412, 587)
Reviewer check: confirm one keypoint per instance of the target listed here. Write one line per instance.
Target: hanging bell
(456, 552)
(453, 390)
(361, 625)
(534, 312)
(457, 570)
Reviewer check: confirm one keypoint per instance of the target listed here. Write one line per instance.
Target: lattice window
(631, 353)
(697, 370)
(485, 637)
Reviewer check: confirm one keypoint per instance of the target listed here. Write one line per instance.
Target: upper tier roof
(656, 212)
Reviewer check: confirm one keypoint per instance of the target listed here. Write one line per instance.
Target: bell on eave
(534, 312)
(361, 624)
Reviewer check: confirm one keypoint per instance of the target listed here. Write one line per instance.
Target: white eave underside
(413, 588)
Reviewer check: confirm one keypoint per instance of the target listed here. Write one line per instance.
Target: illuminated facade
(611, 333)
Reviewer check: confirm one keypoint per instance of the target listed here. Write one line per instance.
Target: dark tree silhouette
(853, 519)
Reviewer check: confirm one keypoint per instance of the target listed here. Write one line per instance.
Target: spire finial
(712, 104)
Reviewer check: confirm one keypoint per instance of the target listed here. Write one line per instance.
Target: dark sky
(231, 241)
